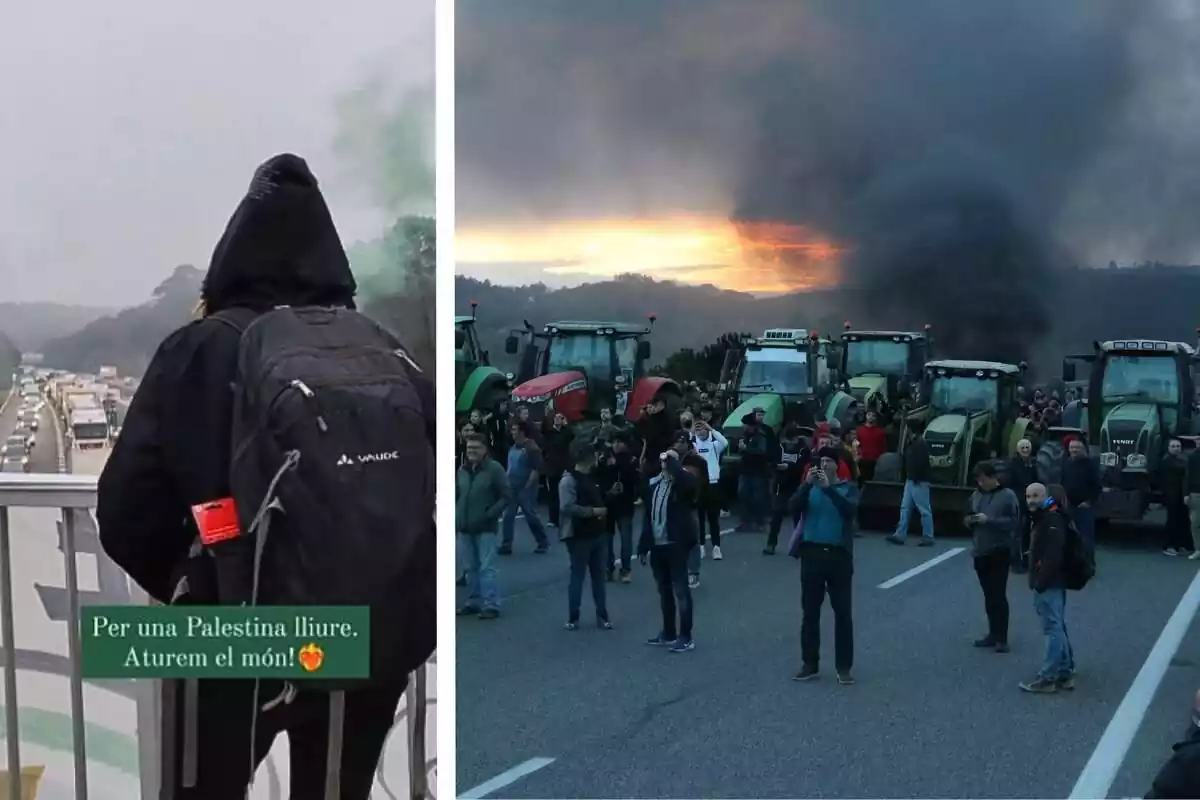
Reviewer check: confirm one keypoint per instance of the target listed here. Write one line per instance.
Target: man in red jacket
(872, 443)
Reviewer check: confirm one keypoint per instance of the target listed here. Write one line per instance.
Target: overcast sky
(129, 129)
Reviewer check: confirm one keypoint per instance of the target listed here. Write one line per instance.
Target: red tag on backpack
(217, 520)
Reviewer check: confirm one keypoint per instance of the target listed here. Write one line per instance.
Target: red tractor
(577, 368)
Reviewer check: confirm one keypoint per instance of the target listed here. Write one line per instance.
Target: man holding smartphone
(826, 551)
(993, 513)
(668, 536)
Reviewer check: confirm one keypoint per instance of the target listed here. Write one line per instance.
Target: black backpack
(333, 476)
(1079, 565)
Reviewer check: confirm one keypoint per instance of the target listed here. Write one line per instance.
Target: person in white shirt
(710, 445)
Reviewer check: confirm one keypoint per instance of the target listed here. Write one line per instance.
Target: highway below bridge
(40, 601)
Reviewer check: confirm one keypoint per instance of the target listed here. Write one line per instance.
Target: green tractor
(792, 375)
(970, 412)
(883, 371)
(477, 384)
(1139, 395)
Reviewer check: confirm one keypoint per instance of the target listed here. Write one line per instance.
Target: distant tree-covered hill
(395, 275)
(31, 325)
(127, 339)
(1153, 301)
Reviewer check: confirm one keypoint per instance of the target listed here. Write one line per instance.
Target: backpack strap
(333, 753)
(237, 318)
(417, 702)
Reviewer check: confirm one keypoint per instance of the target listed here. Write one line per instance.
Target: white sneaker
(1195, 556)
(724, 514)
(717, 553)
(693, 581)
(703, 551)
(1170, 551)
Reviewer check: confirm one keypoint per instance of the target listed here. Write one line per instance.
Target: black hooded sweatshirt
(279, 248)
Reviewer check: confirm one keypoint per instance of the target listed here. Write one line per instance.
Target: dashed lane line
(1101, 769)
(919, 568)
(506, 778)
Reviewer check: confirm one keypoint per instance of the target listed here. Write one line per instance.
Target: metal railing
(65, 492)
(70, 494)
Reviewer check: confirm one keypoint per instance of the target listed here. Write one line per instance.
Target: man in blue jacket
(826, 551)
(668, 535)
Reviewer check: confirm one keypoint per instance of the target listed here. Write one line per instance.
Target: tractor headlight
(1109, 459)
(1136, 461)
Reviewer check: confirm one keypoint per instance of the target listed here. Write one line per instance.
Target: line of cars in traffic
(20, 443)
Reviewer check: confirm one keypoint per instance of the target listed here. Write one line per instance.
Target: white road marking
(919, 568)
(1101, 769)
(506, 778)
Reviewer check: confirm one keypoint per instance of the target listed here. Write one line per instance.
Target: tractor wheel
(1049, 462)
(887, 468)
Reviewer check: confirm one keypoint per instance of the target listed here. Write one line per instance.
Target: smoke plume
(962, 152)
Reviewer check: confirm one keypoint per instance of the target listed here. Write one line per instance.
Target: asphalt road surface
(542, 712)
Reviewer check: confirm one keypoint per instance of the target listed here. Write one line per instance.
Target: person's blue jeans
(479, 558)
(754, 499)
(622, 525)
(587, 558)
(1051, 607)
(1084, 518)
(916, 495)
(523, 499)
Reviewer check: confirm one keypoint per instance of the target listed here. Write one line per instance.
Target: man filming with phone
(829, 505)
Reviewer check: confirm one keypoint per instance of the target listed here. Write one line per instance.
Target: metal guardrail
(67, 493)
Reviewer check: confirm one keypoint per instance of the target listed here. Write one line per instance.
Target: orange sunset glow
(747, 256)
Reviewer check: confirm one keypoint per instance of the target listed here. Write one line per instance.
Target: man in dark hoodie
(619, 478)
(754, 497)
(917, 475)
(583, 514)
(280, 248)
(793, 458)
(668, 536)
(1047, 554)
(556, 449)
(1081, 480)
(993, 513)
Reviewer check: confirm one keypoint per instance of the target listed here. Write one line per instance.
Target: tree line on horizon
(1151, 300)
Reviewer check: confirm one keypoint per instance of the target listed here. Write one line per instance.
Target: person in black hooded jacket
(279, 248)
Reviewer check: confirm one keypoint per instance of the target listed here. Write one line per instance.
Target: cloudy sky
(769, 144)
(129, 129)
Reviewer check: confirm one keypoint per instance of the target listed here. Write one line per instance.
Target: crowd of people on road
(670, 463)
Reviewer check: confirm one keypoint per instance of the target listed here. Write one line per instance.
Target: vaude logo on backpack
(367, 458)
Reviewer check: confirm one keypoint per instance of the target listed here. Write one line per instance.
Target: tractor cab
(477, 384)
(1139, 394)
(578, 367)
(972, 416)
(468, 354)
(789, 373)
(883, 369)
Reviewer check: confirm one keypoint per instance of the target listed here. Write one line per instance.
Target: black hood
(280, 246)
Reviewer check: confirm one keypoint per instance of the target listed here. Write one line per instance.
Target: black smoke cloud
(965, 152)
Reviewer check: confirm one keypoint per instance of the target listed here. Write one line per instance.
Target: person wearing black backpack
(285, 415)
(1049, 553)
